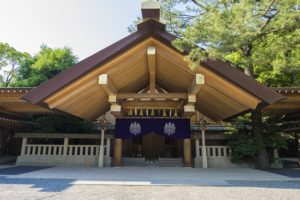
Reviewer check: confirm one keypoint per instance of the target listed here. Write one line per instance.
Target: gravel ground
(212, 184)
(61, 189)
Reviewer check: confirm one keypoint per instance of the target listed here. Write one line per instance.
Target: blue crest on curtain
(137, 127)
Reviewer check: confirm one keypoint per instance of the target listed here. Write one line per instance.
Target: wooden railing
(44, 150)
(61, 150)
(83, 150)
(217, 151)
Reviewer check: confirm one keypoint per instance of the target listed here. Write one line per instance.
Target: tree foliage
(243, 146)
(10, 60)
(62, 124)
(44, 65)
(260, 36)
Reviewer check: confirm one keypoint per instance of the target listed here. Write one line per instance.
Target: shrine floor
(146, 183)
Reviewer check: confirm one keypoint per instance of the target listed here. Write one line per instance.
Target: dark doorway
(153, 146)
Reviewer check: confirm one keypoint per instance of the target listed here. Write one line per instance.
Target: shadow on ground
(45, 185)
(266, 184)
(292, 173)
(20, 170)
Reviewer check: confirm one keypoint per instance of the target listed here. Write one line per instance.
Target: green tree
(10, 60)
(260, 36)
(44, 65)
(62, 124)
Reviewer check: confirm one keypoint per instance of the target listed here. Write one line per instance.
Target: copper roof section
(290, 104)
(287, 90)
(15, 90)
(11, 102)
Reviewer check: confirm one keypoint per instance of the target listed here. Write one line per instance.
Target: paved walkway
(146, 175)
(149, 183)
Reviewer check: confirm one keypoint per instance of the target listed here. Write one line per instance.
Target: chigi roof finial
(151, 9)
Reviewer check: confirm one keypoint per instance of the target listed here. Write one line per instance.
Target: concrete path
(152, 175)
(151, 183)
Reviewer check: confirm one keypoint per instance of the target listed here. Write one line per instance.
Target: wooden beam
(109, 87)
(197, 84)
(153, 104)
(152, 96)
(107, 84)
(189, 110)
(151, 51)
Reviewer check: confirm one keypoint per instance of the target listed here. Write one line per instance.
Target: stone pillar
(187, 153)
(197, 148)
(101, 151)
(117, 152)
(66, 143)
(203, 148)
(107, 147)
(24, 143)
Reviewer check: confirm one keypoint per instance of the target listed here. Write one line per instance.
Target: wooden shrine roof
(290, 104)
(10, 101)
(226, 92)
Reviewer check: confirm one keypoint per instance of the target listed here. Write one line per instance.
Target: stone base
(220, 162)
(7, 159)
(84, 161)
(107, 161)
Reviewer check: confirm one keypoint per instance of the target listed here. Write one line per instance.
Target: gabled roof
(225, 84)
(155, 29)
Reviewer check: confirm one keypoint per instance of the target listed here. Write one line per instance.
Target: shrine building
(150, 107)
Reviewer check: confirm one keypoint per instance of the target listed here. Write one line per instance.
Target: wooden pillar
(187, 153)
(66, 143)
(197, 148)
(263, 158)
(101, 151)
(117, 161)
(107, 147)
(203, 149)
(24, 143)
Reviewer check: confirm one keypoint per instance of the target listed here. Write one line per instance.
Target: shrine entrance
(152, 141)
(152, 146)
(152, 150)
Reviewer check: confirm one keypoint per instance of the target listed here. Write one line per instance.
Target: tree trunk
(249, 71)
(247, 53)
(262, 155)
(297, 141)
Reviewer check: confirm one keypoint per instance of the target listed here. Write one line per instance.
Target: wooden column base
(187, 152)
(117, 161)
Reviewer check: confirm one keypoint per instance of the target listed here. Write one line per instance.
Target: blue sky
(86, 26)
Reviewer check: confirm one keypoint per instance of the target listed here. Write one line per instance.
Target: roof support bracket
(151, 51)
(197, 84)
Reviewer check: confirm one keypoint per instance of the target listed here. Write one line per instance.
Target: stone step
(161, 162)
(170, 162)
(133, 161)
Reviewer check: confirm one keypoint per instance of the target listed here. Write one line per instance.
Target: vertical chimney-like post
(151, 9)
